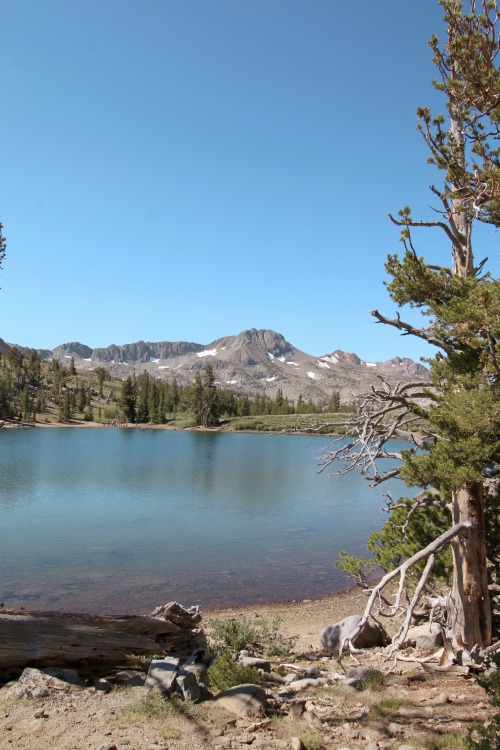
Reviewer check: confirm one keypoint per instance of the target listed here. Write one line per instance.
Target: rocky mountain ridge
(251, 361)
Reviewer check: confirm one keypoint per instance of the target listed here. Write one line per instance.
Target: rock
(426, 636)
(70, 676)
(296, 743)
(360, 677)
(372, 634)
(394, 728)
(33, 683)
(246, 701)
(199, 670)
(101, 684)
(162, 674)
(312, 718)
(127, 678)
(352, 682)
(188, 686)
(295, 711)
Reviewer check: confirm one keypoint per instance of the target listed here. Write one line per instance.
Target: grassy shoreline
(293, 424)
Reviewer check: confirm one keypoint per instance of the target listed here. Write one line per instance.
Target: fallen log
(60, 639)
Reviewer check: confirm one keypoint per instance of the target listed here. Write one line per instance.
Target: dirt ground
(416, 708)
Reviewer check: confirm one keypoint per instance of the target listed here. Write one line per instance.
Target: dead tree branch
(428, 553)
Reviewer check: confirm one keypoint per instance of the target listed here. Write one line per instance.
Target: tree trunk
(49, 639)
(469, 608)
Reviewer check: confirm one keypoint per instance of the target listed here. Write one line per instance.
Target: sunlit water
(115, 520)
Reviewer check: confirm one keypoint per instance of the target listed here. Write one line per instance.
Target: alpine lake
(123, 520)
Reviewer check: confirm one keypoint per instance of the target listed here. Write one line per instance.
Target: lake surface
(122, 520)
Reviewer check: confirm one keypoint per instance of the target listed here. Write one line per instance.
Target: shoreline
(11, 425)
(300, 621)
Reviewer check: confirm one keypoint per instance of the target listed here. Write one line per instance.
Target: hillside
(254, 361)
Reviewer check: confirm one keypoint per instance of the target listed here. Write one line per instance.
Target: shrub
(487, 737)
(225, 672)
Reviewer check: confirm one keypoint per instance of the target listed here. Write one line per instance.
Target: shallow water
(117, 520)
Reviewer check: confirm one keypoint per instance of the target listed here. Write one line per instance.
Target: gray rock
(295, 711)
(188, 686)
(426, 636)
(33, 683)
(199, 670)
(127, 678)
(70, 676)
(162, 674)
(372, 634)
(351, 682)
(246, 701)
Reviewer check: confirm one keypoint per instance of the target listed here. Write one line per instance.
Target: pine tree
(453, 427)
(196, 399)
(127, 399)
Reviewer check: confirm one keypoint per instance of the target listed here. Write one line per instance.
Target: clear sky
(182, 170)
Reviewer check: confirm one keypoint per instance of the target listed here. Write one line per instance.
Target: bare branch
(440, 224)
(427, 553)
(408, 329)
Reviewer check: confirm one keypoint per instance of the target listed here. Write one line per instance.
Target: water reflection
(121, 520)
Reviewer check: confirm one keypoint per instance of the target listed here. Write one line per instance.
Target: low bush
(225, 672)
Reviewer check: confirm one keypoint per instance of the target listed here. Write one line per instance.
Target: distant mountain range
(253, 361)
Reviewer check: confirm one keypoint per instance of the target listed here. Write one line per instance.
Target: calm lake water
(117, 520)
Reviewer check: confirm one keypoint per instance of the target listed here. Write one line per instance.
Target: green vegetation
(232, 635)
(225, 672)
(171, 716)
(376, 681)
(235, 634)
(487, 737)
(35, 390)
(262, 635)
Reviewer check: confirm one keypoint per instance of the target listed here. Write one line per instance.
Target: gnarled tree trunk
(469, 607)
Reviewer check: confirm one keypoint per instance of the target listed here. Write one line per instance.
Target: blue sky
(187, 169)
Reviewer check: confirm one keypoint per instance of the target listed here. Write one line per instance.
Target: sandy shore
(303, 620)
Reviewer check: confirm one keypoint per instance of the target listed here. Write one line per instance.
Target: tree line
(145, 399)
(30, 386)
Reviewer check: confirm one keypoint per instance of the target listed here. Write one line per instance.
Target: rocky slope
(252, 361)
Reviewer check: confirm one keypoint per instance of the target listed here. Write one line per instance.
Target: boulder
(188, 687)
(372, 634)
(246, 701)
(162, 674)
(426, 636)
(33, 683)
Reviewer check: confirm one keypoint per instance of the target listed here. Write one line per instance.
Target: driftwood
(60, 639)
